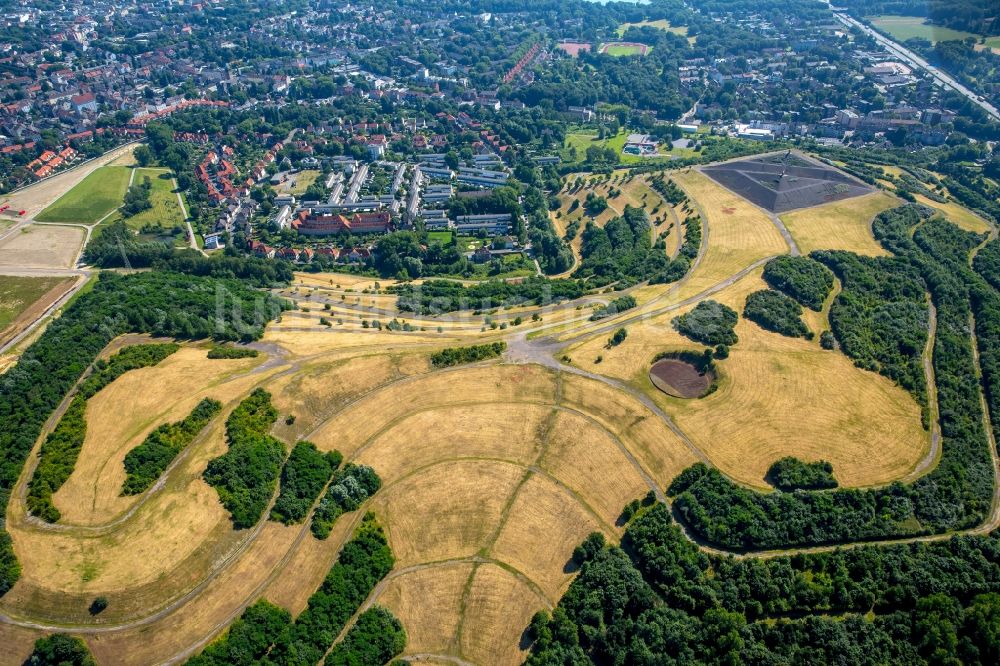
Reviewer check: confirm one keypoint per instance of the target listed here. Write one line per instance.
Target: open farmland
(41, 246)
(93, 198)
(22, 299)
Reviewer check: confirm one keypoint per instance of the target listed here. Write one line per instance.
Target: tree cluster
(774, 311)
(802, 278)
(438, 296)
(620, 304)
(303, 477)
(790, 474)
(710, 323)
(347, 491)
(458, 355)
(246, 474)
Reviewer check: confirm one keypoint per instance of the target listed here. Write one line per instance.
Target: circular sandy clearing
(679, 378)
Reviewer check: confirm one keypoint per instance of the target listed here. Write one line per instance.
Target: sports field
(620, 49)
(94, 197)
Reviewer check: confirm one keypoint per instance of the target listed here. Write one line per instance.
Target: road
(912, 59)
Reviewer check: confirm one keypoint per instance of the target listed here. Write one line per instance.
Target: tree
(143, 156)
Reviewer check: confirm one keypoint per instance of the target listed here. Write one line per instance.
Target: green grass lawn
(18, 293)
(662, 24)
(443, 237)
(902, 28)
(94, 197)
(166, 211)
(303, 180)
(582, 140)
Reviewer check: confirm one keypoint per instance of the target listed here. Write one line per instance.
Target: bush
(302, 479)
(618, 338)
(347, 492)
(458, 355)
(245, 476)
(220, 351)
(802, 278)
(98, 605)
(145, 463)
(792, 474)
(614, 307)
(710, 323)
(776, 312)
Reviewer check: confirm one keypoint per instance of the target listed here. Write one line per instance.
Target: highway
(912, 59)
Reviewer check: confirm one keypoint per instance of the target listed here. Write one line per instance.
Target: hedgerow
(145, 463)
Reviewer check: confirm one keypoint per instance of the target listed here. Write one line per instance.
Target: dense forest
(438, 296)
(659, 600)
(160, 303)
(471, 354)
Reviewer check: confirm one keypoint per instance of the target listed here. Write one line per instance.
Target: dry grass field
(739, 233)
(428, 601)
(956, 213)
(497, 608)
(42, 246)
(778, 396)
(841, 225)
(120, 417)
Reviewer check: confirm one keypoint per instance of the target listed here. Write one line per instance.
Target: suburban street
(912, 59)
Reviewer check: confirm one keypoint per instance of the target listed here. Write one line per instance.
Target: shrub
(710, 323)
(617, 338)
(98, 605)
(776, 312)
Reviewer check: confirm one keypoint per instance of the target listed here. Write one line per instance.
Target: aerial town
(499, 332)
